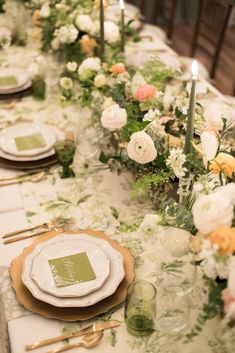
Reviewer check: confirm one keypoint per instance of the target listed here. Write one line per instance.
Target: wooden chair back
(164, 13)
(209, 33)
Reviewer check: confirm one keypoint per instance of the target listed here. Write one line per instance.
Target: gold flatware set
(57, 225)
(32, 177)
(92, 334)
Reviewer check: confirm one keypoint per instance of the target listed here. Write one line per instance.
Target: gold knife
(99, 326)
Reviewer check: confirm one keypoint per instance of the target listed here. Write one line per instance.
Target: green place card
(8, 81)
(71, 269)
(29, 142)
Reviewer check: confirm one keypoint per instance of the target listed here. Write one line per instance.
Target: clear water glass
(172, 313)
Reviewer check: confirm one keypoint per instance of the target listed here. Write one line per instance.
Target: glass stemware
(65, 152)
(88, 137)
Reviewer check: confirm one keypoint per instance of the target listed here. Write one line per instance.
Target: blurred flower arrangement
(72, 28)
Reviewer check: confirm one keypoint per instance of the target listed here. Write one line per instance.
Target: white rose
(93, 64)
(111, 32)
(100, 80)
(72, 66)
(211, 211)
(114, 118)
(210, 145)
(45, 10)
(66, 83)
(66, 34)
(228, 191)
(141, 148)
(231, 276)
(214, 114)
(150, 223)
(84, 23)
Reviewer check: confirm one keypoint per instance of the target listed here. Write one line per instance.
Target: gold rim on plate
(25, 298)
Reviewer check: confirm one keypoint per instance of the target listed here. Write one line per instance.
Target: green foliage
(155, 72)
(212, 308)
(177, 214)
(172, 267)
(144, 185)
(131, 127)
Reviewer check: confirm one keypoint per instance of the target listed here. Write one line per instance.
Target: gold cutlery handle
(67, 347)
(8, 241)
(46, 342)
(10, 234)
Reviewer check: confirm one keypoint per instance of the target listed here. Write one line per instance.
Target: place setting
(72, 275)
(14, 82)
(28, 146)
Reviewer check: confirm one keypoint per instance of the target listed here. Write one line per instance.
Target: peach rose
(36, 17)
(145, 92)
(117, 69)
(88, 44)
(224, 163)
(227, 298)
(224, 238)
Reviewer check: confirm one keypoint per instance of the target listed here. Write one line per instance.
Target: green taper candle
(191, 110)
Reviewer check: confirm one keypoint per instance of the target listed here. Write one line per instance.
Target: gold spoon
(89, 341)
(32, 178)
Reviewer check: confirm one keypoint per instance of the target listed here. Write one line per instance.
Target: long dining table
(97, 199)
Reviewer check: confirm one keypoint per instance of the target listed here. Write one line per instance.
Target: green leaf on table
(83, 199)
(30, 214)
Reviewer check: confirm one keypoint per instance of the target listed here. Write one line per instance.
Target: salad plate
(42, 273)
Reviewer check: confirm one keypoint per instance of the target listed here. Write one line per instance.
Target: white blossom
(176, 161)
(111, 32)
(84, 23)
(93, 64)
(114, 118)
(66, 82)
(72, 66)
(141, 148)
(66, 34)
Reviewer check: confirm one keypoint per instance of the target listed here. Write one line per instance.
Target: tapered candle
(191, 110)
(122, 7)
(101, 30)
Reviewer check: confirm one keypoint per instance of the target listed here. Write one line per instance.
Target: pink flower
(117, 69)
(227, 298)
(145, 92)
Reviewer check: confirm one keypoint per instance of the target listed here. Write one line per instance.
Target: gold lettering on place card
(71, 269)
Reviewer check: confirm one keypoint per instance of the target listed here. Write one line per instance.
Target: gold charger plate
(25, 298)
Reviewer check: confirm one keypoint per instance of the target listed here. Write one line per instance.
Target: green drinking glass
(140, 308)
(65, 153)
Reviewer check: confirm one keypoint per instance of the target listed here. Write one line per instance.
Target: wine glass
(88, 136)
(65, 152)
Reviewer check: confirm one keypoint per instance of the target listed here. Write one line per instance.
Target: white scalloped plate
(42, 275)
(117, 273)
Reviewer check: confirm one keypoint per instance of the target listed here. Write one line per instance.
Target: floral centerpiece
(72, 28)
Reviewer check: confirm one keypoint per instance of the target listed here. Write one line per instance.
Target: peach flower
(36, 17)
(117, 69)
(227, 299)
(224, 238)
(145, 92)
(224, 163)
(88, 44)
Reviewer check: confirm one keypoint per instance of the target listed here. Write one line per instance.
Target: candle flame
(122, 4)
(194, 68)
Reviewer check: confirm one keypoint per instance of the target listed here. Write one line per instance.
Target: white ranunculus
(114, 118)
(214, 114)
(211, 211)
(93, 64)
(228, 191)
(231, 276)
(66, 82)
(66, 34)
(84, 23)
(141, 148)
(111, 32)
(136, 82)
(72, 66)
(45, 10)
(100, 80)
(210, 145)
